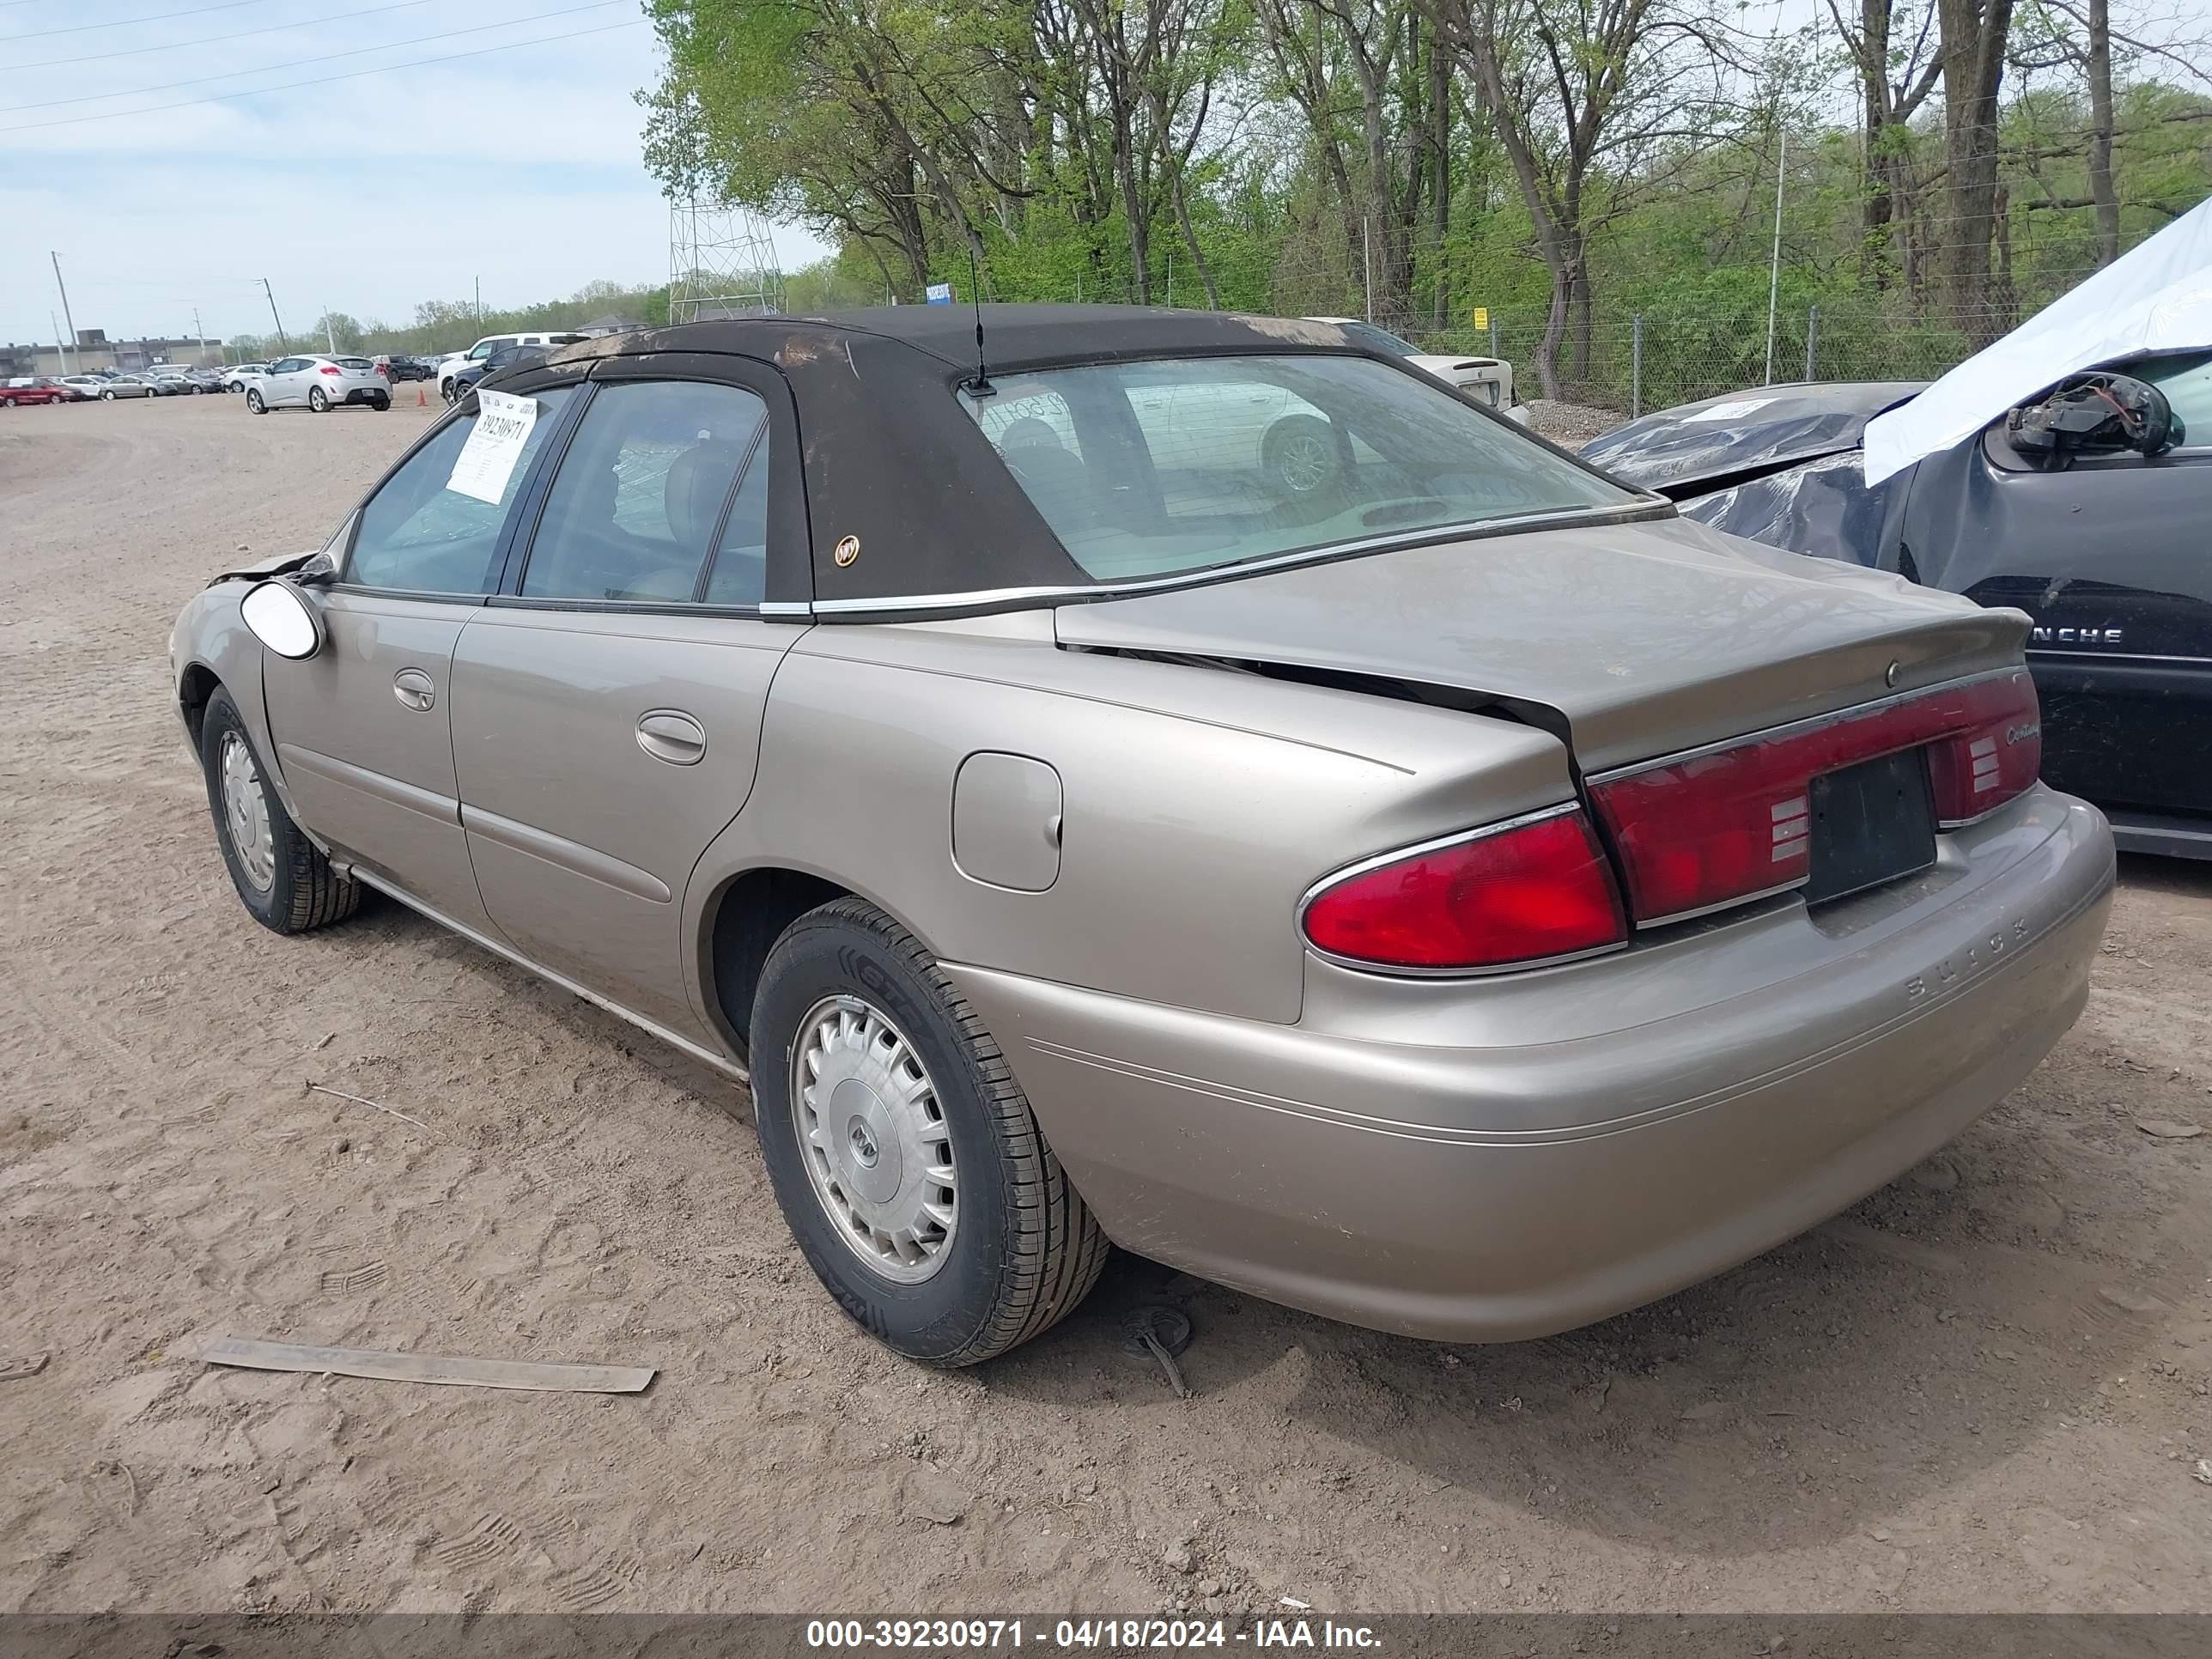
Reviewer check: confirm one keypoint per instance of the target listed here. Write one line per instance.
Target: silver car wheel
(877, 1148)
(246, 811)
(1302, 461)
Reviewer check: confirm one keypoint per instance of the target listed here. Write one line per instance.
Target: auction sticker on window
(486, 462)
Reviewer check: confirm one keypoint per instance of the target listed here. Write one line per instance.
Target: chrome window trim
(1460, 838)
(1796, 728)
(2045, 653)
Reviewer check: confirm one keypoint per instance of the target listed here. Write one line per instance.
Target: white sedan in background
(1488, 378)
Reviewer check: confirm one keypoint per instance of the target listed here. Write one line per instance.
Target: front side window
(1159, 469)
(419, 536)
(636, 503)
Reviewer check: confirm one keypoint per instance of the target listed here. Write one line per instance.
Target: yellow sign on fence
(1482, 316)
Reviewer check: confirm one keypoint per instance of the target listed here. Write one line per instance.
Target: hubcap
(246, 811)
(877, 1151)
(1303, 463)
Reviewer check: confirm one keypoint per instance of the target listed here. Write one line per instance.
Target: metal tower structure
(721, 263)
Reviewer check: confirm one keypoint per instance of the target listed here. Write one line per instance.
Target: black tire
(1026, 1250)
(255, 402)
(319, 401)
(381, 404)
(107, 396)
(304, 893)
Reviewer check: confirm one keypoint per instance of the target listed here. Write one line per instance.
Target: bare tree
(1592, 102)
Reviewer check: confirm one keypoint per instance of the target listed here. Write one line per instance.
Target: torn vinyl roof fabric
(2158, 298)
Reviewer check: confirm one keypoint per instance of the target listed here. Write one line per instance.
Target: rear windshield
(353, 362)
(1157, 468)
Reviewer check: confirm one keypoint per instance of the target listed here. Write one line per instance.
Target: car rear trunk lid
(1633, 641)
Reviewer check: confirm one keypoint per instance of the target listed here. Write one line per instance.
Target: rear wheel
(316, 401)
(253, 401)
(107, 396)
(282, 878)
(903, 1153)
(381, 404)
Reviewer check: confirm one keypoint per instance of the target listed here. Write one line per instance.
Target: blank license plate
(1872, 823)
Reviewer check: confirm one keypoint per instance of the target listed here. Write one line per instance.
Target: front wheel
(282, 878)
(449, 393)
(254, 403)
(1300, 454)
(903, 1153)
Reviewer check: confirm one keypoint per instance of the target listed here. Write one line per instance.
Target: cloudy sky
(518, 165)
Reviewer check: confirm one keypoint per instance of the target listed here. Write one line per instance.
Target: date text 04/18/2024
(1086, 1635)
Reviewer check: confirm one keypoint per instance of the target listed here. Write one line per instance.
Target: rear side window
(1154, 468)
(635, 505)
(417, 536)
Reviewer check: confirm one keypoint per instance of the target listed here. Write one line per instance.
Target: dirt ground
(1984, 1387)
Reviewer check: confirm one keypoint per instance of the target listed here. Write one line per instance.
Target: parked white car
(319, 383)
(1488, 378)
(235, 378)
(450, 365)
(94, 386)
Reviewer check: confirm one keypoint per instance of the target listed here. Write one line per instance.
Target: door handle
(415, 688)
(671, 735)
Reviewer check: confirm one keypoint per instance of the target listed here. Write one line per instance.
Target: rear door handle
(671, 735)
(415, 688)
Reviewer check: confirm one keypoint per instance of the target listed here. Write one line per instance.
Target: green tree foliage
(1565, 165)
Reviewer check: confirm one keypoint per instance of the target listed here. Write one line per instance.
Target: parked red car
(33, 391)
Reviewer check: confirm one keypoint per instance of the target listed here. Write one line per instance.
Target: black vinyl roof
(1028, 336)
(891, 460)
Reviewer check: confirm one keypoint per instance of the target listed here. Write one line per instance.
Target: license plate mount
(1872, 823)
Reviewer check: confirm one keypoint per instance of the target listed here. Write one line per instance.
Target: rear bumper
(1509, 1188)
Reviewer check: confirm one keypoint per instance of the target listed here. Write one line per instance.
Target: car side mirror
(280, 618)
(2093, 414)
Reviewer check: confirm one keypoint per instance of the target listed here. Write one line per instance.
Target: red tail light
(1523, 891)
(329, 369)
(1729, 823)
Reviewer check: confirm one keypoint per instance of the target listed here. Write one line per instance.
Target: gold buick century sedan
(1182, 780)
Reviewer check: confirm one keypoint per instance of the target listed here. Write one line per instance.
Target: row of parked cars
(108, 385)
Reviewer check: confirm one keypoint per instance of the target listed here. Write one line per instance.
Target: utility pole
(479, 305)
(1774, 271)
(283, 346)
(61, 346)
(201, 334)
(330, 333)
(64, 287)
